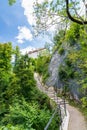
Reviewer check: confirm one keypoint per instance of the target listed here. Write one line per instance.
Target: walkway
(76, 120)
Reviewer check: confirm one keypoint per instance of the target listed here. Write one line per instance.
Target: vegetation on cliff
(73, 70)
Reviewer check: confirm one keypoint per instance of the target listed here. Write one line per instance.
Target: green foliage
(53, 11)
(73, 34)
(58, 40)
(22, 105)
(66, 72)
(11, 2)
(23, 115)
(84, 102)
(77, 60)
(74, 66)
(25, 75)
(5, 56)
(13, 88)
(61, 51)
(42, 66)
(22, 63)
(16, 57)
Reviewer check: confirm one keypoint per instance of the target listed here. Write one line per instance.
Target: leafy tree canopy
(11, 2)
(51, 13)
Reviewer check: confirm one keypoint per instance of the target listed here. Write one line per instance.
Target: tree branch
(71, 18)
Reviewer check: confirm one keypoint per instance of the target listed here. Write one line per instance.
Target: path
(76, 120)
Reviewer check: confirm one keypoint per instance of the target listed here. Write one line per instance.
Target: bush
(66, 72)
(61, 51)
(42, 66)
(27, 116)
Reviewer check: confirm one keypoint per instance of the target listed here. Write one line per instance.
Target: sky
(16, 25)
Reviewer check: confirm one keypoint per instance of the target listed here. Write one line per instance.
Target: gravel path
(76, 121)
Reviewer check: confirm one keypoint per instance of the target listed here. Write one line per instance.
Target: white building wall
(34, 55)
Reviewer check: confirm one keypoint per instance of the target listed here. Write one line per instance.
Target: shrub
(66, 72)
(61, 51)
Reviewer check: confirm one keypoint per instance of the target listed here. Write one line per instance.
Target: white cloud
(28, 9)
(24, 34)
(81, 12)
(26, 50)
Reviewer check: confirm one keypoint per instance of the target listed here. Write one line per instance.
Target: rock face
(54, 65)
(74, 89)
(54, 79)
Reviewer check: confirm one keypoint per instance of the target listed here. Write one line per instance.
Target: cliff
(62, 73)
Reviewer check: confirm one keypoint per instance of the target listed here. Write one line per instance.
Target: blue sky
(15, 25)
(16, 22)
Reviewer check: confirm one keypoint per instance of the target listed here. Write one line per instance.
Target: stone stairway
(53, 96)
(74, 119)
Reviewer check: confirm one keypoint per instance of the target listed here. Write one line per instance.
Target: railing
(60, 108)
(50, 120)
(63, 114)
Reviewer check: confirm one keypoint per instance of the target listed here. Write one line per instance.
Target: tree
(56, 13)
(49, 14)
(5, 73)
(16, 57)
(5, 56)
(81, 21)
(25, 75)
(11, 2)
(76, 61)
(42, 66)
(5, 65)
(55, 7)
(22, 105)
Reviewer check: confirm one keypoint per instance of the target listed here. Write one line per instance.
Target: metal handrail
(50, 120)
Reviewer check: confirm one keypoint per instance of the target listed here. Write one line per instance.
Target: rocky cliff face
(54, 79)
(54, 65)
